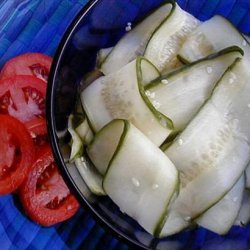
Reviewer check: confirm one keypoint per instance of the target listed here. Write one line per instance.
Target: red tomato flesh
(44, 195)
(38, 131)
(16, 153)
(23, 97)
(34, 64)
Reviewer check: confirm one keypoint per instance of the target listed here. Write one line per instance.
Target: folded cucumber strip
(219, 147)
(84, 131)
(104, 144)
(248, 176)
(102, 54)
(140, 178)
(180, 94)
(163, 47)
(90, 176)
(121, 95)
(221, 217)
(211, 36)
(134, 42)
(77, 144)
(247, 38)
(244, 213)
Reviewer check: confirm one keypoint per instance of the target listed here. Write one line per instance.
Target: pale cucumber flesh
(211, 36)
(121, 95)
(84, 131)
(180, 94)
(248, 176)
(243, 217)
(90, 176)
(221, 217)
(77, 144)
(102, 55)
(135, 41)
(102, 148)
(163, 47)
(219, 150)
(140, 179)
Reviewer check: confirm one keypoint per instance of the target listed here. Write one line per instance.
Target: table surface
(38, 26)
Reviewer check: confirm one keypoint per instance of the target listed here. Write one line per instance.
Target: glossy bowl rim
(50, 95)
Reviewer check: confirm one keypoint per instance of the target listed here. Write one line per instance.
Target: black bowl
(101, 24)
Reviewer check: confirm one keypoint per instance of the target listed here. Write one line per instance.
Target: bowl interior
(99, 25)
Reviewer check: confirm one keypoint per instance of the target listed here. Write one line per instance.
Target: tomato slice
(16, 154)
(23, 97)
(38, 132)
(34, 64)
(44, 195)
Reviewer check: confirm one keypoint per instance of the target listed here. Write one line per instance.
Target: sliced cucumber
(232, 98)
(90, 176)
(140, 179)
(248, 176)
(244, 214)
(163, 47)
(84, 131)
(77, 144)
(180, 94)
(221, 217)
(211, 36)
(105, 142)
(135, 41)
(247, 38)
(121, 95)
(102, 55)
(220, 151)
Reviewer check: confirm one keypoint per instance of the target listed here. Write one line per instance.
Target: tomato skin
(23, 97)
(17, 173)
(35, 200)
(34, 64)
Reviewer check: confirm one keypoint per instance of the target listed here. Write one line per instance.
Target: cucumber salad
(165, 122)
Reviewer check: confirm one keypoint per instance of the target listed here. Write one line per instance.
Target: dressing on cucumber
(121, 95)
(180, 94)
(219, 148)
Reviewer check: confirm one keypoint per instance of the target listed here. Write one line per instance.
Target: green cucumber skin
(109, 92)
(194, 216)
(90, 176)
(170, 14)
(185, 57)
(115, 160)
(193, 64)
(231, 203)
(93, 156)
(164, 215)
(170, 95)
(121, 140)
(159, 116)
(171, 2)
(163, 46)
